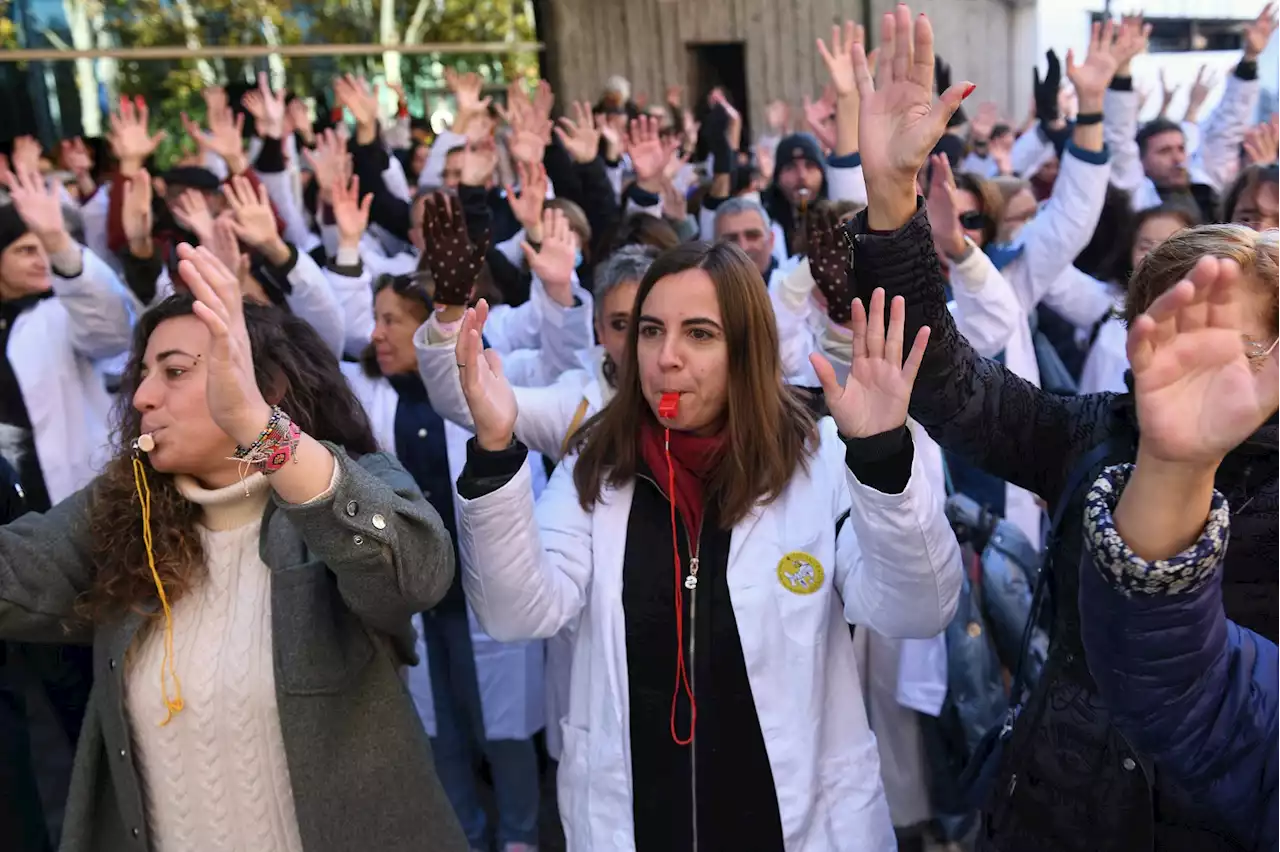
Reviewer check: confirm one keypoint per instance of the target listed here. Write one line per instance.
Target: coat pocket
(320, 646)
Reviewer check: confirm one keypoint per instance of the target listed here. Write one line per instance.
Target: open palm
(875, 397)
(1197, 395)
(899, 123)
(489, 395)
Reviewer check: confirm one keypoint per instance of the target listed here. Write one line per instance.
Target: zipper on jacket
(691, 583)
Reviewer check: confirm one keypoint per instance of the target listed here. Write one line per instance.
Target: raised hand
(235, 402)
(40, 207)
(330, 163)
(829, 264)
(1133, 38)
(1200, 89)
(1046, 90)
(648, 157)
(984, 121)
(674, 205)
(1262, 143)
(820, 115)
(455, 261)
(765, 163)
(878, 391)
(192, 212)
(479, 161)
(350, 211)
(135, 213)
(1197, 393)
(266, 107)
(1167, 93)
(466, 90)
(225, 136)
(1108, 47)
(579, 135)
(255, 221)
(489, 396)
(129, 137)
(527, 205)
(778, 117)
(1258, 34)
(733, 125)
(300, 117)
(553, 261)
(362, 102)
(944, 221)
(899, 120)
(76, 157)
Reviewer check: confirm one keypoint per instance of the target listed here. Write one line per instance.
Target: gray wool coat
(347, 576)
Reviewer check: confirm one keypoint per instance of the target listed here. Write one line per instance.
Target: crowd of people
(905, 479)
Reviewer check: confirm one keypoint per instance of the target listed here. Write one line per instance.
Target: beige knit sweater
(216, 778)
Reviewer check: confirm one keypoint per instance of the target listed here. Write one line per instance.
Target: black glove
(942, 80)
(1046, 90)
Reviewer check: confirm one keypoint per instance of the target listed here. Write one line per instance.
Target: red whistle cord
(682, 672)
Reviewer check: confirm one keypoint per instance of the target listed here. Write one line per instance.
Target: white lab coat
(52, 348)
(546, 414)
(1216, 159)
(509, 674)
(895, 567)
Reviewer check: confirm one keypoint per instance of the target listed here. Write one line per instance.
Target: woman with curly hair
(247, 587)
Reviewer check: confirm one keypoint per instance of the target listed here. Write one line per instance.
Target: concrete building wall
(991, 42)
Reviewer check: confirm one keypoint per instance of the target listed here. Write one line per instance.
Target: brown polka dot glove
(828, 262)
(455, 260)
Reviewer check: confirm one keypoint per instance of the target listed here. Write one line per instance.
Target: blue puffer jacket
(1190, 690)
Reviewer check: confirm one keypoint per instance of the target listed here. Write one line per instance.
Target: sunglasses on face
(973, 220)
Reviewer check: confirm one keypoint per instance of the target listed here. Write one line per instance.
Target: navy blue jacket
(1190, 690)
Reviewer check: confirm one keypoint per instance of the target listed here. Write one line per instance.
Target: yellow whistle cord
(167, 668)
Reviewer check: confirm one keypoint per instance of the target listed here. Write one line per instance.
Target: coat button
(111, 663)
(123, 753)
(358, 540)
(379, 522)
(352, 508)
(1128, 764)
(422, 433)
(134, 832)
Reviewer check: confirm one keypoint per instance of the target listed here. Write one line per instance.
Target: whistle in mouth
(144, 442)
(668, 406)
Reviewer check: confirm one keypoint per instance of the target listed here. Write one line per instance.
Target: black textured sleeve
(486, 472)
(970, 405)
(392, 213)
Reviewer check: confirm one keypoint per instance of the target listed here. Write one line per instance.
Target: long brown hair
(294, 369)
(768, 431)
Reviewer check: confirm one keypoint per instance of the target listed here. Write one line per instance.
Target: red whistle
(668, 406)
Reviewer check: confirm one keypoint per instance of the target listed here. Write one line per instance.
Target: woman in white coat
(61, 309)
(473, 693)
(749, 732)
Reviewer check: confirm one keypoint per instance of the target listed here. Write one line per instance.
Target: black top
(17, 442)
(737, 803)
(422, 449)
(1067, 780)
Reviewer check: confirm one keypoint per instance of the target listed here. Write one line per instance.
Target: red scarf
(692, 456)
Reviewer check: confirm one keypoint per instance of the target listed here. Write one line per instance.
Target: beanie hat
(796, 147)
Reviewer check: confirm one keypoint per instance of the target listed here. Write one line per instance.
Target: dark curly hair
(294, 369)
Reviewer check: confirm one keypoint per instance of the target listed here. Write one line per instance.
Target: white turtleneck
(216, 777)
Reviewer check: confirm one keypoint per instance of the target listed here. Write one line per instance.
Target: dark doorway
(723, 65)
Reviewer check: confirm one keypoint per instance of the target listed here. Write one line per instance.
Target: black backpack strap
(1075, 479)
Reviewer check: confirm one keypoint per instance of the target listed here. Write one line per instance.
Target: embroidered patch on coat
(800, 573)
